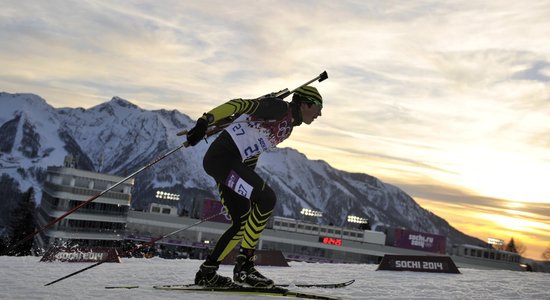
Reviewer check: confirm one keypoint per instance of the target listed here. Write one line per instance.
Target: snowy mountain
(117, 137)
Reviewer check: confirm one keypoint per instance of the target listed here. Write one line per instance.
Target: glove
(197, 133)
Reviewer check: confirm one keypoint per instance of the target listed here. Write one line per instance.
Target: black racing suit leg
(248, 199)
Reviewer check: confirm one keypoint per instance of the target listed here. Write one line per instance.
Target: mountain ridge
(118, 137)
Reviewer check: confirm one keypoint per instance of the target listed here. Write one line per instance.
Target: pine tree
(546, 254)
(11, 195)
(22, 223)
(3, 243)
(511, 246)
(515, 247)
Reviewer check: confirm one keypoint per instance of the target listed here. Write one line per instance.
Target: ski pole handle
(183, 132)
(217, 127)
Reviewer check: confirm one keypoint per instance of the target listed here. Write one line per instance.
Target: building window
(81, 182)
(166, 211)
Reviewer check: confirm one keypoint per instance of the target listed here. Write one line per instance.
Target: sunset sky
(448, 100)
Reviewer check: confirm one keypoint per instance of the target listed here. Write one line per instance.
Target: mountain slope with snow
(117, 137)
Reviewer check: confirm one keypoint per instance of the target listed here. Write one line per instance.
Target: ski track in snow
(24, 278)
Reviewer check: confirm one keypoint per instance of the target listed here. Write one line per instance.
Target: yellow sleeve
(231, 107)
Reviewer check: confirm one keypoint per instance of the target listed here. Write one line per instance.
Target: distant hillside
(117, 137)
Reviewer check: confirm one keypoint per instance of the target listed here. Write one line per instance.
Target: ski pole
(52, 222)
(151, 242)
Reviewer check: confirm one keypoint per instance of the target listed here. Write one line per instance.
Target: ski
(319, 285)
(300, 285)
(237, 289)
(122, 287)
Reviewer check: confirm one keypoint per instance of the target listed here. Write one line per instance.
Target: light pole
(363, 223)
(168, 196)
(306, 212)
(168, 199)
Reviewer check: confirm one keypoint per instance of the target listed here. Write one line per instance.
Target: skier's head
(310, 103)
(308, 94)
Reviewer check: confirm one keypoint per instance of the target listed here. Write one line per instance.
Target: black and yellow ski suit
(260, 125)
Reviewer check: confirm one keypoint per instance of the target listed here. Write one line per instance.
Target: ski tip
(319, 285)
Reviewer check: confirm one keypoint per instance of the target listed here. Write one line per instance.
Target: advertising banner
(432, 264)
(212, 207)
(80, 254)
(421, 241)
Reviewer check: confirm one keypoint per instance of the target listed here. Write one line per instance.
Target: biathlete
(259, 125)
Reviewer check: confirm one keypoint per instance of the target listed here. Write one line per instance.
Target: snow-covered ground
(24, 278)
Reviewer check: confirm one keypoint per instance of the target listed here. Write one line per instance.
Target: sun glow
(513, 205)
(510, 223)
(503, 175)
(531, 229)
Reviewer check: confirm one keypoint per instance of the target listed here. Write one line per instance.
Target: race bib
(237, 184)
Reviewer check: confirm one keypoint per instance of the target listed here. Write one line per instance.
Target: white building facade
(101, 222)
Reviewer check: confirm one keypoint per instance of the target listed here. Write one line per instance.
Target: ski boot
(245, 273)
(207, 276)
